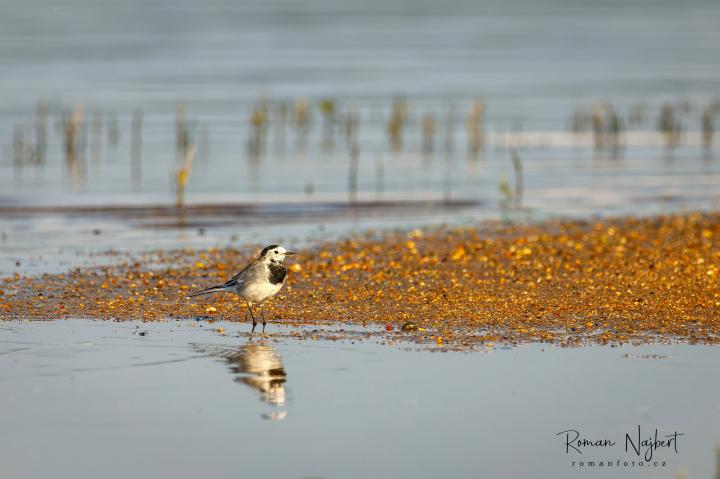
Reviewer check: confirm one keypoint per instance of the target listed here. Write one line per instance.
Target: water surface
(86, 399)
(530, 63)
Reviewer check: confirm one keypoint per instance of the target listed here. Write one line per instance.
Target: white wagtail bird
(259, 281)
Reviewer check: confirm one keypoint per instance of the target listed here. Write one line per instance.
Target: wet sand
(622, 280)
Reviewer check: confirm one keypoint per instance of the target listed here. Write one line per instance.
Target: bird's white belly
(257, 293)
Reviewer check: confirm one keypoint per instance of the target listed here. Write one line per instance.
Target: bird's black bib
(277, 273)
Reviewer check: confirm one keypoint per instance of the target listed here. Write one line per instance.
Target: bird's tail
(214, 289)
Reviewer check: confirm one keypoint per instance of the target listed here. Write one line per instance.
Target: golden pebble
(627, 279)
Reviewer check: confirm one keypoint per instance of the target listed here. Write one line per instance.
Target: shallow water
(176, 399)
(531, 63)
(35, 244)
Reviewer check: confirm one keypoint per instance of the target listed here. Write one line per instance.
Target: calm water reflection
(81, 396)
(259, 366)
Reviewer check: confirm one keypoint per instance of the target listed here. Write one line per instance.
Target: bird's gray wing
(242, 276)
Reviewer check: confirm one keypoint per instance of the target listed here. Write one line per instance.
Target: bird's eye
(276, 251)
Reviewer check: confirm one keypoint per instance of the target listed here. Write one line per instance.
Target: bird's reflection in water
(259, 366)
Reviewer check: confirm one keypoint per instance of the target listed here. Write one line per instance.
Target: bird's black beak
(289, 253)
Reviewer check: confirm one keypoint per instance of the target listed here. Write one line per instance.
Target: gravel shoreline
(639, 280)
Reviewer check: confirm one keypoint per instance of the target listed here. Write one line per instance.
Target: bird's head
(274, 253)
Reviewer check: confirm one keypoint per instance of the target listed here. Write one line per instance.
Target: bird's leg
(262, 313)
(253, 318)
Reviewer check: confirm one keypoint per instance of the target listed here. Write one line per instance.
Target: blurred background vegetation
(520, 109)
